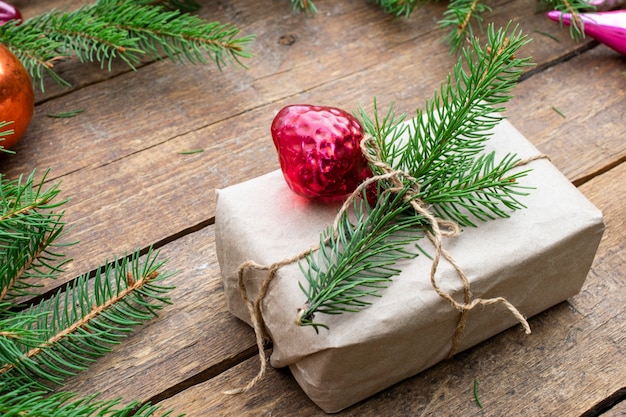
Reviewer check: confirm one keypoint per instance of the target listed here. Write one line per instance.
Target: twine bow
(440, 228)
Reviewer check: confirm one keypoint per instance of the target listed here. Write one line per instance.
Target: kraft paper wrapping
(536, 258)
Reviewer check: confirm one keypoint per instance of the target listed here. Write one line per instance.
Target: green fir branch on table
(24, 401)
(458, 19)
(463, 18)
(400, 7)
(574, 7)
(441, 154)
(187, 6)
(120, 29)
(29, 228)
(305, 6)
(78, 325)
(4, 131)
(44, 343)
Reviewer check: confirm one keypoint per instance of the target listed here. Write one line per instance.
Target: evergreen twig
(42, 344)
(120, 29)
(18, 400)
(573, 7)
(28, 230)
(357, 259)
(4, 131)
(78, 324)
(442, 155)
(463, 17)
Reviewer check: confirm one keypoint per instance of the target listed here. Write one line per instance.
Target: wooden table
(122, 164)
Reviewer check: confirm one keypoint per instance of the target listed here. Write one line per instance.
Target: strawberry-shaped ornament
(319, 151)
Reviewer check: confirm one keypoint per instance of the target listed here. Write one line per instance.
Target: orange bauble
(17, 98)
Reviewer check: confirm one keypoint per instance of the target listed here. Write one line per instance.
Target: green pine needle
(24, 400)
(121, 29)
(304, 6)
(5, 132)
(574, 7)
(356, 262)
(460, 18)
(400, 7)
(42, 344)
(444, 143)
(82, 323)
(29, 229)
(441, 151)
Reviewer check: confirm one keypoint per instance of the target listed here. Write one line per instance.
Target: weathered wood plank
(589, 91)
(130, 187)
(125, 113)
(565, 356)
(618, 411)
(130, 176)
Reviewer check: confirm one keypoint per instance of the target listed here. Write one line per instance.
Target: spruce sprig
(574, 7)
(42, 344)
(182, 5)
(78, 325)
(4, 131)
(444, 141)
(29, 229)
(460, 18)
(120, 29)
(356, 260)
(400, 7)
(463, 18)
(444, 168)
(19, 400)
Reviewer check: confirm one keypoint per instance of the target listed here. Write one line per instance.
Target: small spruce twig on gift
(440, 165)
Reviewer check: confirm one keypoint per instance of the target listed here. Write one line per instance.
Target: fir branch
(357, 259)
(445, 140)
(186, 6)
(120, 29)
(25, 401)
(181, 37)
(5, 132)
(304, 6)
(458, 19)
(29, 229)
(486, 190)
(78, 325)
(574, 8)
(400, 7)
(441, 157)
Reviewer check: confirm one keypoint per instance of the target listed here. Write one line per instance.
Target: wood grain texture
(120, 163)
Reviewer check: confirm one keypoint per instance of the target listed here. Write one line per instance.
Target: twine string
(439, 228)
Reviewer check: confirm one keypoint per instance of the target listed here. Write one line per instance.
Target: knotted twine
(439, 228)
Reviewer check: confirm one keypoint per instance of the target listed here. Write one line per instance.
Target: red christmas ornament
(319, 150)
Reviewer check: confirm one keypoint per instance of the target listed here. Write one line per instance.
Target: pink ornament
(319, 151)
(608, 28)
(9, 12)
(604, 5)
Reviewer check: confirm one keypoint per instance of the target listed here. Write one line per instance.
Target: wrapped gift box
(536, 258)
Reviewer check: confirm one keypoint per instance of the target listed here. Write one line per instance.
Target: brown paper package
(536, 258)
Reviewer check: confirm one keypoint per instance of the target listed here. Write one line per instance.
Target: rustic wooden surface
(120, 164)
